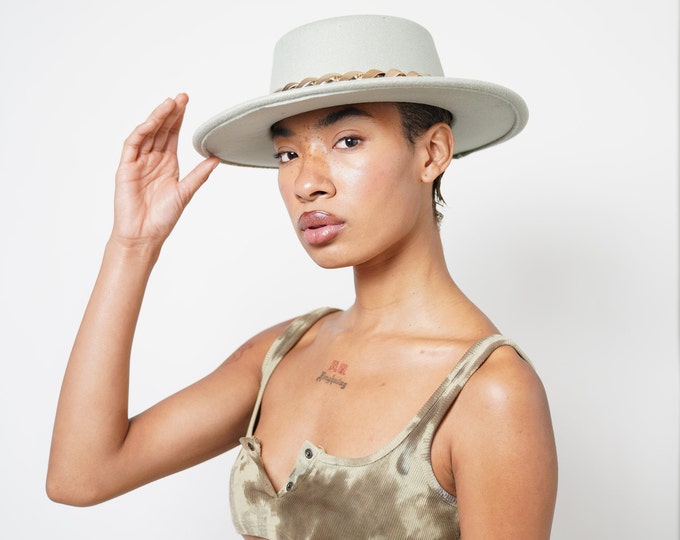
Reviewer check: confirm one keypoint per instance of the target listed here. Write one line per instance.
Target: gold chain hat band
(349, 76)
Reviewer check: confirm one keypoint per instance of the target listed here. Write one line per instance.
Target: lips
(319, 227)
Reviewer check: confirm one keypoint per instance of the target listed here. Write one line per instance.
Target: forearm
(92, 415)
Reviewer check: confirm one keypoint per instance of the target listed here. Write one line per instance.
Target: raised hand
(149, 195)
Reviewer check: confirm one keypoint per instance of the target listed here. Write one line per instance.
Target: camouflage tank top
(390, 494)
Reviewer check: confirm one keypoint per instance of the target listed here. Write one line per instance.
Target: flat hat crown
(332, 46)
(360, 59)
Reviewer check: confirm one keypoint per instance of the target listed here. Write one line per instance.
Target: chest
(351, 399)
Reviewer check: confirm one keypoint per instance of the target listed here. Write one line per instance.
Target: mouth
(319, 227)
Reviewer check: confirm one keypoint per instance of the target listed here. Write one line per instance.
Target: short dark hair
(416, 119)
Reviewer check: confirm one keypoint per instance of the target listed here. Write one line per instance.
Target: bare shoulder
(250, 354)
(503, 385)
(502, 406)
(503, 454)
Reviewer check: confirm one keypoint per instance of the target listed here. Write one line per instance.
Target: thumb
(190, 184)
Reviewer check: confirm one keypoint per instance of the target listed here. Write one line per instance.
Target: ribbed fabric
(390, 494)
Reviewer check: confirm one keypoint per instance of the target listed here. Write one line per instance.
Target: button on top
(251, 446)
(289, 486)
(308, 453)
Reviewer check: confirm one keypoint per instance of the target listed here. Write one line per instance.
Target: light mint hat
(360, 59)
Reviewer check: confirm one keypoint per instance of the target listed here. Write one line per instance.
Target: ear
(436, 145)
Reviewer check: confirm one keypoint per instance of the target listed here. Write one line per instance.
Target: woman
(403, 416)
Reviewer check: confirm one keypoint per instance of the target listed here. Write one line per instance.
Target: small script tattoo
(329, 376)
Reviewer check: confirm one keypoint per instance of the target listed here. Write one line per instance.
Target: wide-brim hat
(360, 59)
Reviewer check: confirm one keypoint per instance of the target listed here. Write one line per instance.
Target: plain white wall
(566, 236)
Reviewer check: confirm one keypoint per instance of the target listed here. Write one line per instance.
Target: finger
(173, 133)
(142, 136)
(155, 123)
(167, 135)
(196, 178)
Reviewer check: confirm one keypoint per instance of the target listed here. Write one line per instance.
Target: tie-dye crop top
(390, 494)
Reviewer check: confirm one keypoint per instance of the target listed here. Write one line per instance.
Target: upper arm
(503, 452)
(191, 426)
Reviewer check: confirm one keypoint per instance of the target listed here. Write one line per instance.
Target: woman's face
(352, 183)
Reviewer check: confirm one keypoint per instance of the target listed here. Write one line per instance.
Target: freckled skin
(372, 186)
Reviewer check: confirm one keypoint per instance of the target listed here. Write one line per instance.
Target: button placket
(304, 462)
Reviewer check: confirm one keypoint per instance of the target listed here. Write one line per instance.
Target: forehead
(379, 113)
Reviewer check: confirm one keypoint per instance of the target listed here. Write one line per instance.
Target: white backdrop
(566, 236)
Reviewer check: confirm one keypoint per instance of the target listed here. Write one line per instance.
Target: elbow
(62, 490)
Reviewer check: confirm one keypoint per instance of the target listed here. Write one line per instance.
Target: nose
(313, 180)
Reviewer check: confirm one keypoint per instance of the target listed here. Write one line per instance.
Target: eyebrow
(280, 130)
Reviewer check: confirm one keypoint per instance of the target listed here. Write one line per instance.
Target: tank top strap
(476, 355)
(282, 344)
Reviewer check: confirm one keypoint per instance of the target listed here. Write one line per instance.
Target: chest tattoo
(333, 374)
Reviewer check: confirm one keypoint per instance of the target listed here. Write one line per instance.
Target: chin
(333, 259)
(329, 258)
(330, 263)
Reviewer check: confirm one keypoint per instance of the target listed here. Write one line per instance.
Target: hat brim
(484, 113)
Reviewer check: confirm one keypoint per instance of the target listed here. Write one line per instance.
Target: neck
(411, 286)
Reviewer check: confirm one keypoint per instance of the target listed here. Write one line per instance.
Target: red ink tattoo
(337, 367)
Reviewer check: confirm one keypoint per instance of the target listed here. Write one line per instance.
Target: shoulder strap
(443, 398)
(282, 344)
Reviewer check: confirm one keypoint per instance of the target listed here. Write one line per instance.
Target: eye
(348, 142)
(285, 157)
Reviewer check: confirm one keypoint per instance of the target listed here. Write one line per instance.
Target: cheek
(376, 175)
(385, 186)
